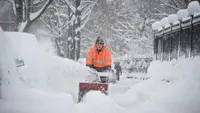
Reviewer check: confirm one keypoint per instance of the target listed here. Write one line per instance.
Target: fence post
(191, 36)
(155, 45)
(179, 38)
(162, 44)
(170, 44)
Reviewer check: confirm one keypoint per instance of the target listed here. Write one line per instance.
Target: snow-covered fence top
(182, 16)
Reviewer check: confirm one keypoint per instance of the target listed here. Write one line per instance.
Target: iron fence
(178, 39)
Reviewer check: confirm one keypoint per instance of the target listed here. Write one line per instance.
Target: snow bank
(38, 102)
(157, 96)
(64, 75)
(47, 84)
(44, 84)
(42, 70)
(96, 102)
(27, 49)
(8, 71)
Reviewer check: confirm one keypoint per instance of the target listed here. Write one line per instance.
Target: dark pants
(117, 74)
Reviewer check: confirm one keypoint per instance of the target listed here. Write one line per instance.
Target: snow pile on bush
(182, 14)
(193, 7)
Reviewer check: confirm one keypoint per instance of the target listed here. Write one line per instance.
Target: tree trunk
(77, 30)
(73, 41)
(26, 16)
(71, 48)
(23, 11)
(19, 12)
(27, 11)
(27, 26)
(74, 32)
(65, 47)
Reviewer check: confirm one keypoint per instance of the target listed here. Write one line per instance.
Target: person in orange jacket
(99, 56)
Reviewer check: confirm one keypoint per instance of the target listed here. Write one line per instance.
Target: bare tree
(66, 19)
(121, 25)
(126, 24)
(78, 17)
(159, 8)
(22, 10)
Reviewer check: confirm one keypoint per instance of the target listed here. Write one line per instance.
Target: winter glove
(109, 68)
(90, 65)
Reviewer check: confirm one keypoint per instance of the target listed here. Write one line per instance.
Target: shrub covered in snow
(172, 18)
(193, 7)
(138, 65)
(164, 21)
(183, 13)
(157, 25)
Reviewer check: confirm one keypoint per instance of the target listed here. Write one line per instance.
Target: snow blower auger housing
(85, 87)
(98, 82)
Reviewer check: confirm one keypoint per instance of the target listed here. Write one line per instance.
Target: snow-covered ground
(49, 84)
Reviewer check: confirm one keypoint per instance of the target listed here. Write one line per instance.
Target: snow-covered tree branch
(66, 19)
(22, 10)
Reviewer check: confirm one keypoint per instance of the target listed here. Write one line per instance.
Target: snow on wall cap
(186, 19)
(167, 26)
(156, 25)
(164, 22)
(193, 7)
(172, 18)
(196, 14)
(183, 13)
(176, 23)
(160, 29)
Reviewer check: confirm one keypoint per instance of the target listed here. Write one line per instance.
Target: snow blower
(98, 81)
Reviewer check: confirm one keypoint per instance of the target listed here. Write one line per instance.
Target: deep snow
(49, 84)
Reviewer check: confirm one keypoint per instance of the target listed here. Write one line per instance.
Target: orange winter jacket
(98, 60)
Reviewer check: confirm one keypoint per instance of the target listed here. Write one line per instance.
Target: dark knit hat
(99, 40)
